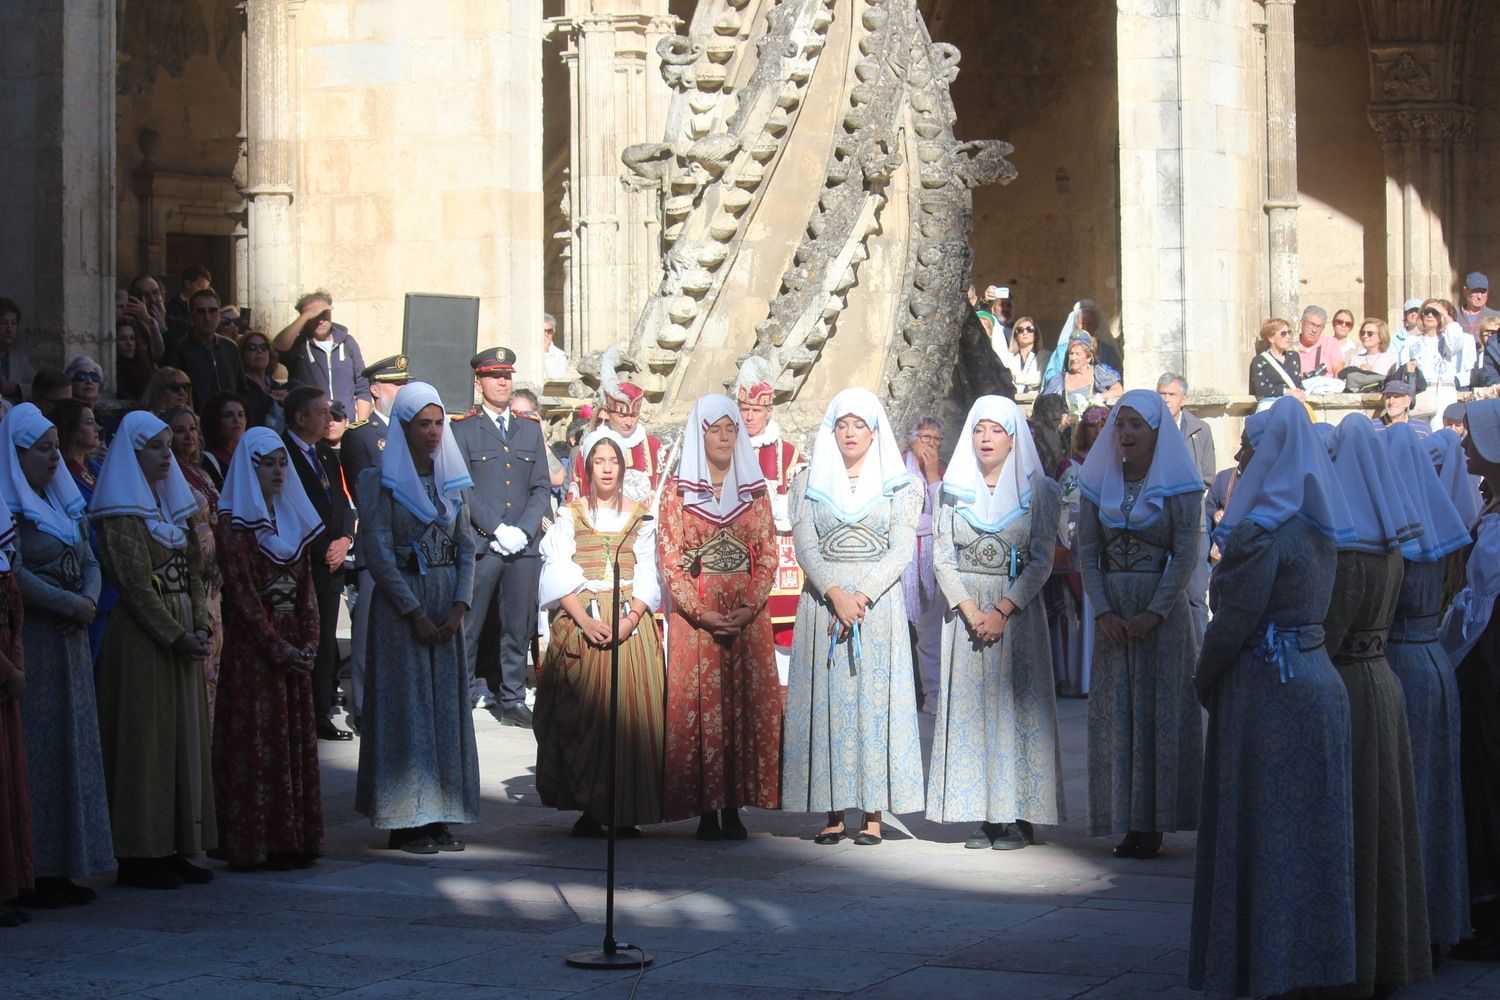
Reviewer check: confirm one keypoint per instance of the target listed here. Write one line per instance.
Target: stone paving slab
(774, 917)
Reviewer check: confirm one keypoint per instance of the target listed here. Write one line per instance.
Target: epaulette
(465, 416)
(358, 424)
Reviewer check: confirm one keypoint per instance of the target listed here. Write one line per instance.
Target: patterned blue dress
(851, 739)
(69, 809)
(1145, 724)
(1273, 900)
(417, 760)
(1432, 717)
(995, 752)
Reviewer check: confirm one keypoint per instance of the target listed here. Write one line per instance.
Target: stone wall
(1478, 243)
(178, 114)
(1043, 76)
(419, 162)
(1340, 165)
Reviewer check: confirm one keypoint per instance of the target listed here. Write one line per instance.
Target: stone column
(618, 98)
(1191, 194)
(271, 252)
(1281, 158)
(1420, 209)
(57, 176)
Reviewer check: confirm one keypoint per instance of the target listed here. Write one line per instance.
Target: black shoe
(190, 873)
(412, 841)
(72, 893)
(868, 840)
(734, 828)
(147, 873)
(278, 863)
(304, 860)
(11, 918)
(517, 715)
(1149, 846)
(44, 897)
(1010, 838)
(829, 838)
(328, 731)
(1127, 847)
(983, 838)
(708, 827)
(352, 721)
(442, 839)
(587, 826)
(628, 833)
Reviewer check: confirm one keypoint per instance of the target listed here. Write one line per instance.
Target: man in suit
(1200, 441)
(307, 413)
(507, 460)
(364, 442)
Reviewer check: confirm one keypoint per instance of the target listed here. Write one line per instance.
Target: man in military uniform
(363, 443)
(755, 392)
(508, 462)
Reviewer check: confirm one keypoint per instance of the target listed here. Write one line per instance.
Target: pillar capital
(1434, 122)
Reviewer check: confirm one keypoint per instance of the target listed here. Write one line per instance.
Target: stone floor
(774, 916)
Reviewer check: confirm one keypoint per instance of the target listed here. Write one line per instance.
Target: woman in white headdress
(59, 579)
(153, 711)
(267, 791)
(594, 535)
(1392, 945)
(1273, 898)
(1140, 534)
(851, 715)
(1428, 684)
(418, 766)
(718, 559)
(995, 752)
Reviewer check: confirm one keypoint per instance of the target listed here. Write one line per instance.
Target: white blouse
(561, 576)
(1027, 372)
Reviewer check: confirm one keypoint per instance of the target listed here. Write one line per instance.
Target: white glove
(508, 540)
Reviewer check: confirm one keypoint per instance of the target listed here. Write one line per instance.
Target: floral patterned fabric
(1273, 897)
(267, 789)
(723, 725)
(1145, 751)
(69, 809)
(851, 715)
(1430, 690)
(995, 750)
(202, 524)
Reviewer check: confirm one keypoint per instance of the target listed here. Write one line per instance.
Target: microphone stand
(611, 955)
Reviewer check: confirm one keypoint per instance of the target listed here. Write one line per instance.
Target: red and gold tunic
(780, 461)
(723, 742)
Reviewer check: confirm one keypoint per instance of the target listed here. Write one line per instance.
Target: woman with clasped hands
(851, 716)
(418, 766)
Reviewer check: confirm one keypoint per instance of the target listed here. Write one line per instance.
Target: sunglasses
(179, 386)
(1368, 333)
(87, 377)
(256, 346)
(1342, 322)
(1026, 329)
(1432, 312)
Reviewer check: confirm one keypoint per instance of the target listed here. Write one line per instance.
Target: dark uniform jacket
(362, 446)
(511, 485)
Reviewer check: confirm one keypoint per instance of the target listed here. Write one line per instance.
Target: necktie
(500, 422)
(317, 464)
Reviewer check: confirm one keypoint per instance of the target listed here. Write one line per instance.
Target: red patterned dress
(267, 790)
(16, 857)
(723, 745)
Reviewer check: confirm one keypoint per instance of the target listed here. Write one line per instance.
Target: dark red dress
(723, 699)
(266, 788)
(16, 857)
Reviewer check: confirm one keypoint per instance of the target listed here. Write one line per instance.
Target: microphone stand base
(625, 958)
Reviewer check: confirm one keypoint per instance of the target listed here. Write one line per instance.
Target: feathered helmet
(756, 384)
(618, 396)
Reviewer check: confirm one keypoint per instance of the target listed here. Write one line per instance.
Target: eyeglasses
(1368, 333)
(256, 346)
(1343, 322)
(1026, 329)
(178, 386)
(932, 439)
(1432, 312)
(87, 377)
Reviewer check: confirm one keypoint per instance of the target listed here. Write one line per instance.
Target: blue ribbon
(1015, 560)
(854, 641)
(1277, 646)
